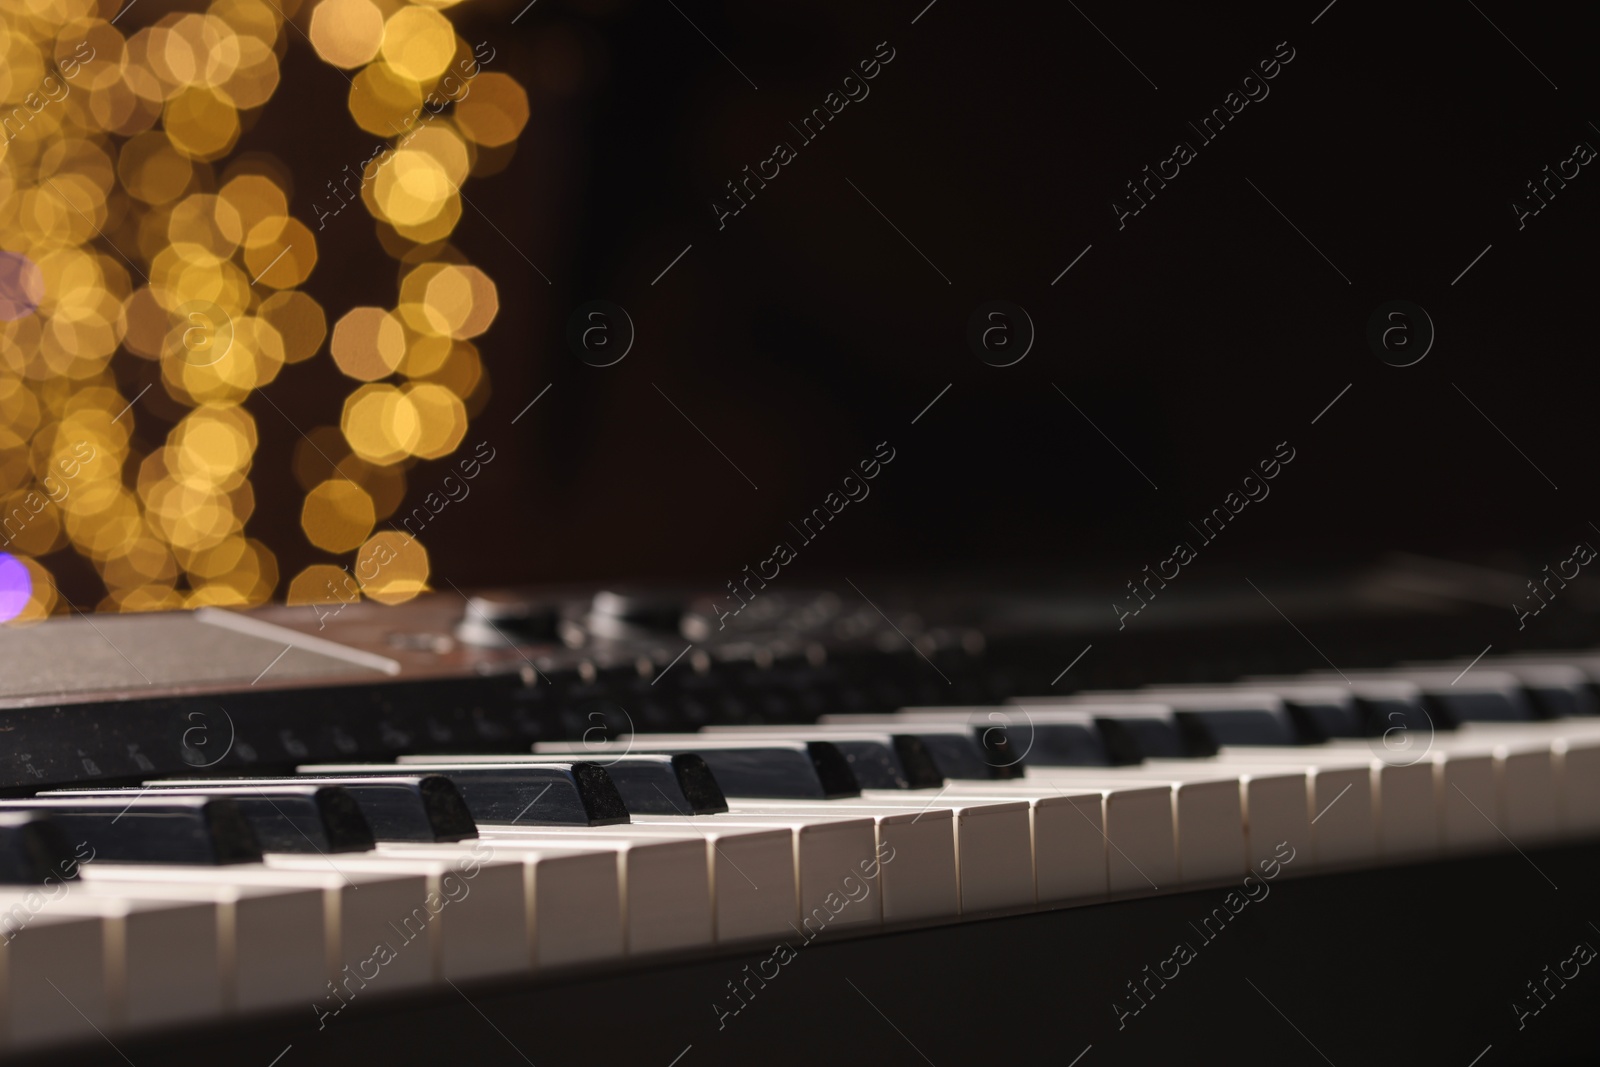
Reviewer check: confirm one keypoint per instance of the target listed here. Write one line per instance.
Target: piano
(545, 827)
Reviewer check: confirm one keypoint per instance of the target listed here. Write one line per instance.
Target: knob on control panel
(614, 613)
(494, 620)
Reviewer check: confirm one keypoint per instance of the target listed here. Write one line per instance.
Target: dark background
(1196, 338)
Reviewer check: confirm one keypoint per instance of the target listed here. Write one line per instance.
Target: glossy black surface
(397, 807)
(288, 818)
(649, 783)
(152, 829)
(531, 794)
(794, 770)
(34, 848)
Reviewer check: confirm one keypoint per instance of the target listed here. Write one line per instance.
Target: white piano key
(476, 905)
(1139, 832)
(572, 899)
(1272, 806)
(1468, 796)
(752, 878)
(828, 849)
(363, 949)
(163, 965)
(270, 938)
(56, 984)
(1406, 802)
(1530, 792)
(1574, 751)
(665, 887)
(1409, 810)
(1340, 792)
(1575, 747)
(1069, 841)
(1208, 814)
(1527, 769)
(919, 841)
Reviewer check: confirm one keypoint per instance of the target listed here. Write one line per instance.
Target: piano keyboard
(180, 902)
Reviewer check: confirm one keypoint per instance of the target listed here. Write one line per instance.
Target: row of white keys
(1228, 819)
(269, 941)
(1473, 785)
(664, 885)
(115, 963)
(1574, 769)
(826, 850)
(334, 935)
(571, 897)
(1207, 812)
(469, 921)
(1065, 832)
(1134, 849)
(919, 845)
(751, 872)
(1362, 810)
(680, 883)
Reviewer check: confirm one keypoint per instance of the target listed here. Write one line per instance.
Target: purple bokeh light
(21, 286)
(16, 587)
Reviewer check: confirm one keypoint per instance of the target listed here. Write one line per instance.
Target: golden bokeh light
(346, 33)
(418, 43)
(383, 101)
(280, 251)
(299, 320)
(380, 423)
(495, 112)
(322, 583)
(441, 419)
(392, 567)
(368, 343)
(337, 516)
(150, 240)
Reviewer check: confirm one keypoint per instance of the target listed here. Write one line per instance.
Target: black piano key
(970, 752)
(287, 818)
(1211, 716)
(1135, 738)
(1322, 713)
(1134, 726)
(1555, 690)
(921, 770)
(873, 761)
(574, 793)
(1481, 705)
(650, 784)
(1045, 738)
(790, 770)
(147, 828)
(1064, 744)
(414, 807)
(33, 848)
(1545, 674)
(1376, 706)
(1454, 696)
(959, 749)
(878, 757)
(1014, 736)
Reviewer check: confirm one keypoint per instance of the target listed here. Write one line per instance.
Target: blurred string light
(134, 226)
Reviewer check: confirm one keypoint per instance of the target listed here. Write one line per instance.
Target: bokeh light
(149, 243)
(16, 587)
(21, 286)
